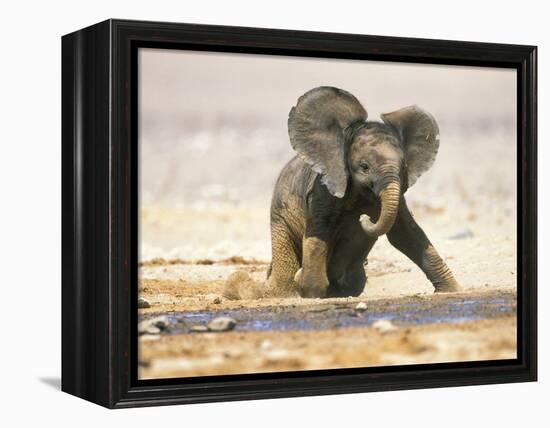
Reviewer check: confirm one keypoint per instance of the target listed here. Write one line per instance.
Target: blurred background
(213, 138)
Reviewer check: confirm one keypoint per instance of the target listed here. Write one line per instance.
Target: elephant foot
(239, 285)
(311, 286)
(450, 286)
(281, 288)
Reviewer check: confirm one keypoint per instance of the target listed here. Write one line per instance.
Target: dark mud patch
(402, 312)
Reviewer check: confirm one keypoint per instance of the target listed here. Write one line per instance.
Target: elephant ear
(420, 136)
(316, 129)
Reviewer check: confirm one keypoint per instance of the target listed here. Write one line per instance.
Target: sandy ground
(254, 352)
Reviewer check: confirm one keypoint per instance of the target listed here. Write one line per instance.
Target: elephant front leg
(407, 236)
(437, 271)
(312, 277)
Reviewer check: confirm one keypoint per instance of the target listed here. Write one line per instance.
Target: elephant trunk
(389, 200)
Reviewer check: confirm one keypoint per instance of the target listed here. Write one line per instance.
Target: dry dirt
(440, 330)
(253, 352)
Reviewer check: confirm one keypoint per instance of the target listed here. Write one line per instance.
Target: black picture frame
(99, 212)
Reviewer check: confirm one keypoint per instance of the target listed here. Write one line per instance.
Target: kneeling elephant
(343, 190)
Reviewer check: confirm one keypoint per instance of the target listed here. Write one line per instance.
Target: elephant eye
(364, 166)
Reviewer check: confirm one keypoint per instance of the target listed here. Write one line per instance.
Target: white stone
(384, 326)
(361, 307)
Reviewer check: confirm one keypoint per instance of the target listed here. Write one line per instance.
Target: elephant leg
(407, 236)
(352, 283)
(284, 264)
(346, 268)
(313, 278)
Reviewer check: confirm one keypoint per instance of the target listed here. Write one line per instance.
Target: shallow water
(333, 316)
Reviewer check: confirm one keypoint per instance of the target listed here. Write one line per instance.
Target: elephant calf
(344, 190)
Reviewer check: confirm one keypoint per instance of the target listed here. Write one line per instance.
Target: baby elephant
(344, 190)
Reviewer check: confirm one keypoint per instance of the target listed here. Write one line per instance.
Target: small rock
(161, 322)
(384, 326)
(361, 307)
(199, 329)
(143, 304)
(153, 325)
(222, 324)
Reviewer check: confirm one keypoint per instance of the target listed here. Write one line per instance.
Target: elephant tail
(239, 285)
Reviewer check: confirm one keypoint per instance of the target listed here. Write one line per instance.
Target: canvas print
(309, 213)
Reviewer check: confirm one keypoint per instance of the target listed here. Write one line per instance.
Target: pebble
(361, 307)
(384, 326)
(199, 329)
(153, 325)
(222, 324)
(143, 304)
(161, 322)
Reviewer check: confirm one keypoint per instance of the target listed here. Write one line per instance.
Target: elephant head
(328, 128)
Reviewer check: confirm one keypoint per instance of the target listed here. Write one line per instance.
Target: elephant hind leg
(284, 265)
(239, 285)
(280, 273)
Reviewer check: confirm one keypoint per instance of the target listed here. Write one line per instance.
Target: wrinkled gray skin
(344, 190)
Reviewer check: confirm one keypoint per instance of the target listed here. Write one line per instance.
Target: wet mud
(402, 312)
